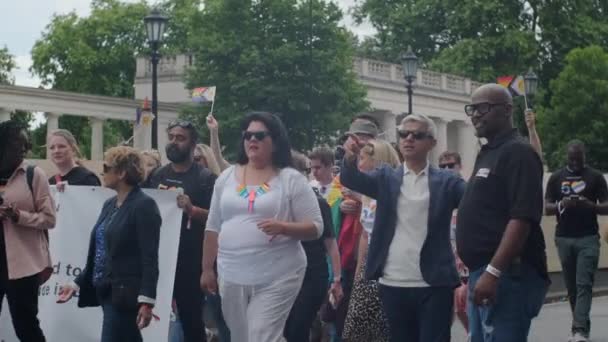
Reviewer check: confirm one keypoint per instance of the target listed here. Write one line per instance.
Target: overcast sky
(22, 21)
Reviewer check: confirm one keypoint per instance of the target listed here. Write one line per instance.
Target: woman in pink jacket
(26, 212)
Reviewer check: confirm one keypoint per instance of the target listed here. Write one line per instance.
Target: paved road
(553, 323)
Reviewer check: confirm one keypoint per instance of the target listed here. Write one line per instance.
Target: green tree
(7, 65)
(578, 108)
(94, 55)
(568, 24)
(477, 39)
(97, 54)
(284, 56)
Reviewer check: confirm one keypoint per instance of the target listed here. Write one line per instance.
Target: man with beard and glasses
(196, 184)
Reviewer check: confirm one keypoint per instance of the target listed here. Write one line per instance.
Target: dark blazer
(132, 240)
(384, 184)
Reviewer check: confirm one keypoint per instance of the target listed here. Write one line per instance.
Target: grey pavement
(553, 323)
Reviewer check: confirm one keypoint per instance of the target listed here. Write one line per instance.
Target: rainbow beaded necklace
(251, 195)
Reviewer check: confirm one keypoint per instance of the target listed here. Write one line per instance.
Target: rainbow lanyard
(244, 192)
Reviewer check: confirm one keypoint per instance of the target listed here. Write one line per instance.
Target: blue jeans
(518, 300)
(176, 332)
(579, 258)
(214, 306)
(418, 314)
(118, 325)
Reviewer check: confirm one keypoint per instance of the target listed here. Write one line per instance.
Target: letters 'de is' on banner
(78, 209)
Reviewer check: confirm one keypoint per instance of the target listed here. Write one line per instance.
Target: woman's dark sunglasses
(259, 136)
(106, 168)
(447, 166)
(416, 135)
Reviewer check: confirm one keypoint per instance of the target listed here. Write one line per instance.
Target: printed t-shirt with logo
(589, 183)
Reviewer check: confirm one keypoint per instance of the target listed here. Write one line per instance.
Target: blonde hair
(127, 159)
(154, 154)
(382, 152)
(71, 140)
(207, 153)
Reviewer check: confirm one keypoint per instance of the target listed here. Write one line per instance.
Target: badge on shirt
(578, 187)
(484, 173)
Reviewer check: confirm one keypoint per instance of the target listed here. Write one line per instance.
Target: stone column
(162, 138)
(468, 146)
(5, 114)
(142, 136)
(96, 138)
(52, 124)
(442, 139)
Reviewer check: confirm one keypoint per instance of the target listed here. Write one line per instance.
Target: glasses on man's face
(259, 136)
(449, 166)
(482, 108)
(404, 134)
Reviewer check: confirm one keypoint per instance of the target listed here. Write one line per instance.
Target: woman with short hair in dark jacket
(121, 272)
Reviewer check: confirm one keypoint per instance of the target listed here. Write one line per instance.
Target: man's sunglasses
(481, 108)
(182, 124)
(259, 136)
(403, 134)
(447, 166)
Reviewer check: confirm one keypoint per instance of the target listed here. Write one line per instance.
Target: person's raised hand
(530, 117)
(212, 124)
(352, 147)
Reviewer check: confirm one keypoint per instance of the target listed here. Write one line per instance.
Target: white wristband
(493, 271)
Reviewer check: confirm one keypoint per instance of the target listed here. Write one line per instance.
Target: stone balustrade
(366, 68)
(383, 71)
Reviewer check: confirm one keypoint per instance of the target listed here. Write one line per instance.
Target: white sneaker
(578, 337)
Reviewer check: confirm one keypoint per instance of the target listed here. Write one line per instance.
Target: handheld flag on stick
(504, 81)
(137, 116)
(203, 94)
(146, 114)
(516, 86)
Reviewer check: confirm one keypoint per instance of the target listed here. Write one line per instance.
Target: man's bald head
(492, 93)
(492, 109)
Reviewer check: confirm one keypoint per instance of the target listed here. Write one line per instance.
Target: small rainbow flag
(203, 94)
(505, 81)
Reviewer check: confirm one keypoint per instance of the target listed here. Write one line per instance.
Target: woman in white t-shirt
(365, 320)
(260, 210)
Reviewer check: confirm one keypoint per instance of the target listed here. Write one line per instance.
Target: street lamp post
(155, 23)
(530, 85)
(409, 61)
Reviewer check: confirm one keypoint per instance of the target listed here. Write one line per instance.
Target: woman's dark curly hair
(281, 154)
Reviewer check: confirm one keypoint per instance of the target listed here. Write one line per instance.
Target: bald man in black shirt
(498, 232)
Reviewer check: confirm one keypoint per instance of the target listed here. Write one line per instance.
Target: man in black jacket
(183, 174)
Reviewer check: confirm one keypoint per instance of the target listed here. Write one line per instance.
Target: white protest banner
(78, 209)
